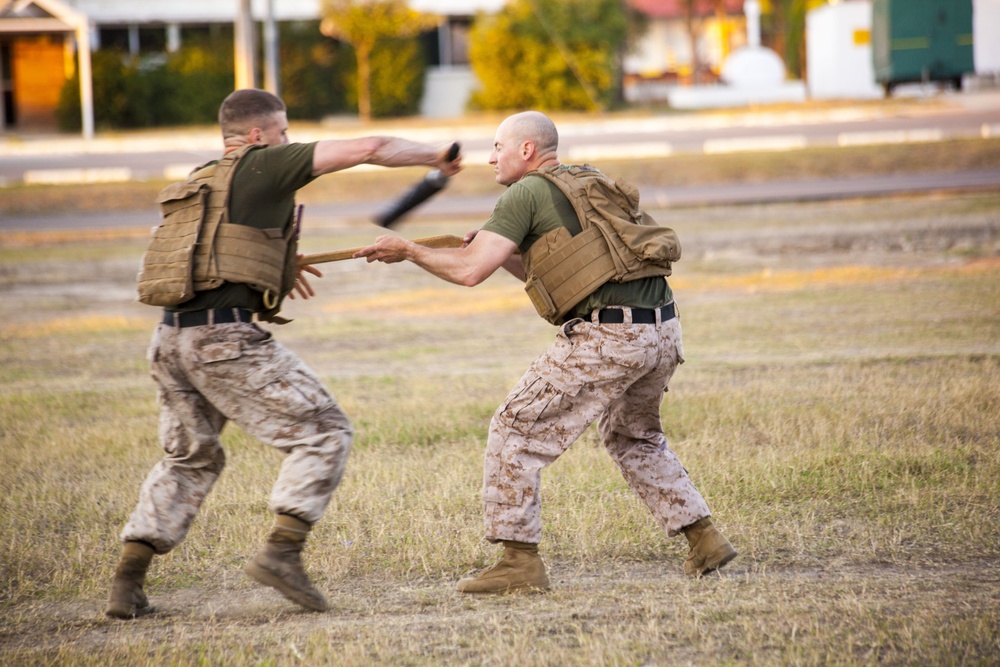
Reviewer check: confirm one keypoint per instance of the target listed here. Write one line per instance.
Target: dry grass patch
(839, 413)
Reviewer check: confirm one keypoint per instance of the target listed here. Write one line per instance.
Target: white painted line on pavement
(990, 131)
(91, 175)
(178, 172)
(889, 137)
(739, 144)
(611, 151)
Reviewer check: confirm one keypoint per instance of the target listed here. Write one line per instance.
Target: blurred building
(986, 38)
(450, 81)
(42, 42)
(929, 41)
(679, 48)
(839, 51)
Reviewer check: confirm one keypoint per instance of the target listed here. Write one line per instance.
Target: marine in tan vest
(224, 255)
(616, 348)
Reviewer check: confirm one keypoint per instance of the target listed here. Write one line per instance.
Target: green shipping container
(921, 40)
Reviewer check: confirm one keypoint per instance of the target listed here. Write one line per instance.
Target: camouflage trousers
(208, 375)
(615, 374)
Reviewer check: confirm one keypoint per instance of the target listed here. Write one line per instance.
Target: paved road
(154, 155)
(158, 154)
(478, 208)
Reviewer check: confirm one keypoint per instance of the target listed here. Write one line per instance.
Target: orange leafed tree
(362, 24)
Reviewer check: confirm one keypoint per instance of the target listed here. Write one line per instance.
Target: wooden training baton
(443, 241)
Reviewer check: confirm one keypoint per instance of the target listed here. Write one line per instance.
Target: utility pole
(86, 77)
(272, 78)
(245, 47)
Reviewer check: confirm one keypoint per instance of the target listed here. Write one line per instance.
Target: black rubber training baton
(429, 185)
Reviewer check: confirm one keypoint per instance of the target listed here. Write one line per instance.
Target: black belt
(199, 318)
(639, 315)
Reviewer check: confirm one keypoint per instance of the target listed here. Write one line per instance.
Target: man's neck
(233, 144)
(551, 162)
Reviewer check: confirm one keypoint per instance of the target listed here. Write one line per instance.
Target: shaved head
(524, 142)
(535, 127)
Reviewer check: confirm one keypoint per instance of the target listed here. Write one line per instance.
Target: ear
(528, 150)
(255, 135)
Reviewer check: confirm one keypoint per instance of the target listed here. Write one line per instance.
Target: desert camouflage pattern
(209, 375)
(614, 374)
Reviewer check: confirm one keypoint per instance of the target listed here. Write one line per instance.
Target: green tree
(128, 93)
(549, 54)
(785, 23)
(313, 71)
(200, 75)
(365, 23)
(397, 82)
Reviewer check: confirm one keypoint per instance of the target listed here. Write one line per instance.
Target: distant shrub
(314, 71)
(126, 93)
(548, 54)
(398, 73)
(186, 87)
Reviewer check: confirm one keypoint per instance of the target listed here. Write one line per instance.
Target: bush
(313, 71)
(187, 86)
(398, 72)
(200, 76)
(548, 55)
(127, 93)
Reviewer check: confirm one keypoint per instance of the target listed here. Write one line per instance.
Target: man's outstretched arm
(335, 154)
(469, 265)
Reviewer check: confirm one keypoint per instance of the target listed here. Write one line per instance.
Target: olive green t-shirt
(263, 195)
(532, 207)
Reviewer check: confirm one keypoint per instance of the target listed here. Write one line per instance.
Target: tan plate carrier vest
(195, 247)
(618, 242)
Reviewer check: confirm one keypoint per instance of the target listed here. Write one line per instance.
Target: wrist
(411, 250)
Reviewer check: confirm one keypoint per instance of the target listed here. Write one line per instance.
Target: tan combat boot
(127, 599)
(520, 569)
(710, 550)
(279, 563)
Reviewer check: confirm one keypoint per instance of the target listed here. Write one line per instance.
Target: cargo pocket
(503, 496)
(546, 396)
(623, 355)
(290, 390)
(216, 352)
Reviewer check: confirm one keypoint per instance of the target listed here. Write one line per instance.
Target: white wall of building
(457, 7)
(839, 51)
(447, 91)
(195, 11)
(664, 47)
(986, 36)
(189, 11)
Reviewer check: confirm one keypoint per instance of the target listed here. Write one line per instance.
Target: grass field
(839, 409)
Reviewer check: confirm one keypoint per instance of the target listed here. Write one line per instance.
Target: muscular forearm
(515, 267)
(333, 155)
(396, 152)
(451, 264)
(468, 265)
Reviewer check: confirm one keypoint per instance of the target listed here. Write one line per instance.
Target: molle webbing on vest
(165, 278)
(564, 276)
(196, 248)
(249, 255)
(618, 243)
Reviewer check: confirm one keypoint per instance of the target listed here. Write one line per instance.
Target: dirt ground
(428, 618)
